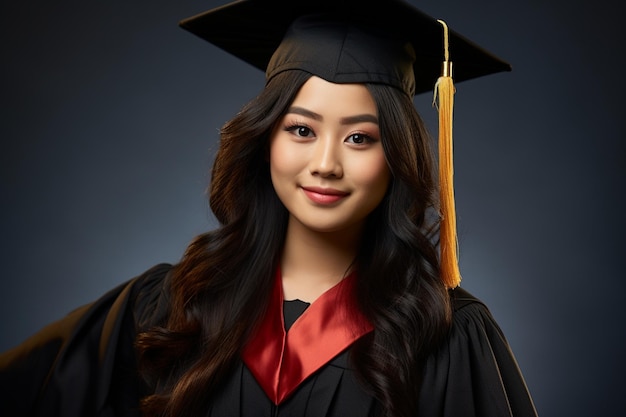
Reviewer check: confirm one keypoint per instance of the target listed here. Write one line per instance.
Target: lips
(321, 195)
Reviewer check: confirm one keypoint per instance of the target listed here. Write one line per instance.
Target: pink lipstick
(323, 195)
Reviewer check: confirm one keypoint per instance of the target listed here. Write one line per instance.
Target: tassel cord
(444, 101)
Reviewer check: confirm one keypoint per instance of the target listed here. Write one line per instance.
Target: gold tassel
(448, 243)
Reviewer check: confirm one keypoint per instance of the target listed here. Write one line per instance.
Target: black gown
(84, 365)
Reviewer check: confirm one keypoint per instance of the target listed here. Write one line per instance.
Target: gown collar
(280, 361)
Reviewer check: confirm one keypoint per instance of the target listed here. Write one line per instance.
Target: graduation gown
(85, 365)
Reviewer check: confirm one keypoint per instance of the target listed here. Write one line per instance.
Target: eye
(359, 139)
(300, 130)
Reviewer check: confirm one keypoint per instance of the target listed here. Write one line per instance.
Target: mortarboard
(354, 41)
(253, 30)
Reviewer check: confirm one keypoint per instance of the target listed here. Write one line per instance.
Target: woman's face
(326, 157)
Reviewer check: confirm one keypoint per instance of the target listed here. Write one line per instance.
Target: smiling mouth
(324, 195)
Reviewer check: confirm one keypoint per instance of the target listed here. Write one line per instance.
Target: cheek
(283, 159)
(374, 174)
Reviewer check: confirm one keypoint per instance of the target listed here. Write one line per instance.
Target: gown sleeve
(475, 373)
(85, 363)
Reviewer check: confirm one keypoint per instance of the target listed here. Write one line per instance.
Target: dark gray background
(109, 119)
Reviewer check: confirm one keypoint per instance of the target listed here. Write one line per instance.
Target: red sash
(280, 361)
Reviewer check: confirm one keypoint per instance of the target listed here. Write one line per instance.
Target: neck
(313, 262)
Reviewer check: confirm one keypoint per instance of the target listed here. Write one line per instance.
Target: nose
(326, 159)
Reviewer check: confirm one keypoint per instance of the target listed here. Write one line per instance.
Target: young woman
(321, 293)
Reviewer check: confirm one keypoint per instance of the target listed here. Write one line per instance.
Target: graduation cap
(355, 41)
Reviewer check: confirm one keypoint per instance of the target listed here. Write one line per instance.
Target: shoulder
(461, 297)
(474, 372)
(90, 345)
(471, 316)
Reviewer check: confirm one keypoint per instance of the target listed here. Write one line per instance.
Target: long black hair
(399, 286)
(224, 273)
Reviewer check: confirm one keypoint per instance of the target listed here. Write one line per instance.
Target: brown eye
(303, 131)
(300, 131)
(358, 139)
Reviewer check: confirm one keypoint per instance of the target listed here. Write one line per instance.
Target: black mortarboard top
(360, 41)
(253, 30)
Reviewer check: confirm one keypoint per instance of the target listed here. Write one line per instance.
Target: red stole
(280, 361)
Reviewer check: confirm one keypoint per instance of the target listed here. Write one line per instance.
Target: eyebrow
(348, 120)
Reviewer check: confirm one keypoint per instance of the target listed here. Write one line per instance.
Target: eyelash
(294, 127)
(367, 139)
